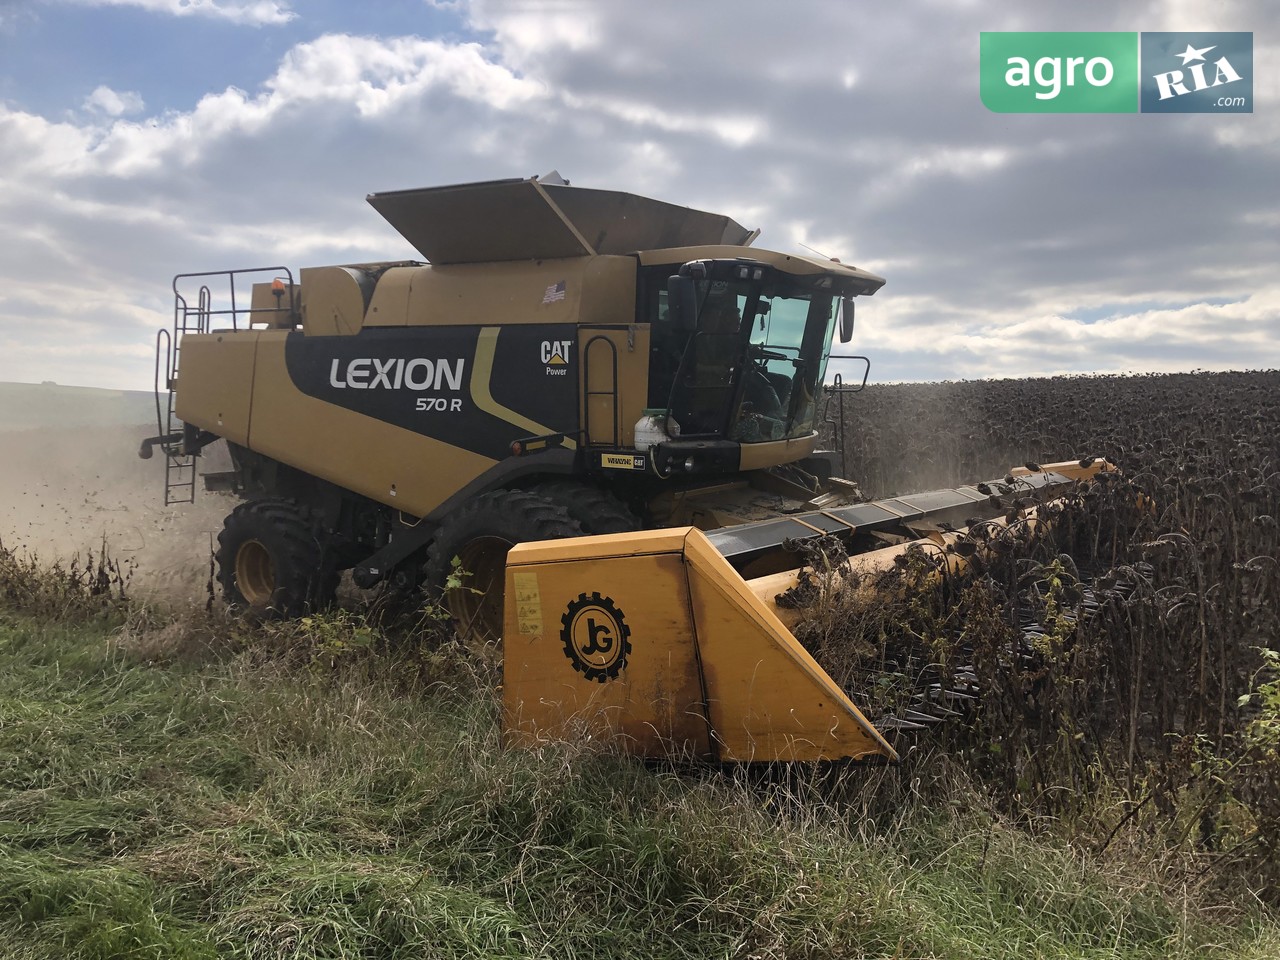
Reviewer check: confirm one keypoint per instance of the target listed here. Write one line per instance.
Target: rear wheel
(599, 511)
(272, 562)
(479, 534)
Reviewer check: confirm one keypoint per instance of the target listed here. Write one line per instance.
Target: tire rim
(255, 573)
(476, 605)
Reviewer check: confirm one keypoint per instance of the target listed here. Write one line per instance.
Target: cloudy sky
(142, 138)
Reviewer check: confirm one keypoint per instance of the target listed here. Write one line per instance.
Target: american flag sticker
(554, 294)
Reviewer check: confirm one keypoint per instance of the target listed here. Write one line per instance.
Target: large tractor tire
(479, 533)
(272, 561)
(599, 511)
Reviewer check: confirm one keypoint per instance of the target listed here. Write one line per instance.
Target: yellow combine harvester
(568, 362)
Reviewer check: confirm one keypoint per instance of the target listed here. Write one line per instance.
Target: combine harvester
(623, 390)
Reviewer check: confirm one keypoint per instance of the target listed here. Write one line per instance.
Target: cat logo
(556, 352)
(555, 356)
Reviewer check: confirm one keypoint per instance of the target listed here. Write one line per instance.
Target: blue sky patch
(56, 55)
(1108, 310)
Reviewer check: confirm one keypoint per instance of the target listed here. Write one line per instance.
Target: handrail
(162, 336)
(838, 383)
(205, 313)
(837, 389)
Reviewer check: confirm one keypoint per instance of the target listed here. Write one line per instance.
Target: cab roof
(863, 281)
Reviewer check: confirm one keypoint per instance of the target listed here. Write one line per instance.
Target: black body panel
(433, 380)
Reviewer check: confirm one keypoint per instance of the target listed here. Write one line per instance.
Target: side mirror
(682, 302)
(846, 320)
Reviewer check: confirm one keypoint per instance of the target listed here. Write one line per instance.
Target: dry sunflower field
(180, 784)
(1129, 663)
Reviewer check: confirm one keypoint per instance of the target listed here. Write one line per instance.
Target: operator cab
(740, 347)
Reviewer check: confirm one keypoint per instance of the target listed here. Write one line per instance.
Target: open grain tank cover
(528, 220)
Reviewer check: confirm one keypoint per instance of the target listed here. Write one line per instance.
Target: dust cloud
(65, 491)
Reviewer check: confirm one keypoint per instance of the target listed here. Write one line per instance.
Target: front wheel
(479, 534)
(272, 562)
(597, 510)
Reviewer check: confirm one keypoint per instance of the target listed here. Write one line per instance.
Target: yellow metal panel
(771, 453)
(384, 462)
(609, 291)
(603, 650)
(768, 699)
(632, 383)
(639, 543)
(216, 371)
(266, 308)
(573, 290)
(487, 293)
(1069, 468)
(700, 649)
(332, 303)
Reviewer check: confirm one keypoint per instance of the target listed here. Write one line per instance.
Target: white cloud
(377, 75)
(972, 344)
(735, 130)
(250, 12)
(339, 79)
(1264, 218)
(113, 103)
(32, 147)
(527, 31)
(1191, 16)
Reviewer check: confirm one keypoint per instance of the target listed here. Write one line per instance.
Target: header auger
(625, 388)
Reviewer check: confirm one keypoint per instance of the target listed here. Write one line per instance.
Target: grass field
(159, 800)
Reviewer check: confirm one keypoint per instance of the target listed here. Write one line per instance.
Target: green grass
(244, 806)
